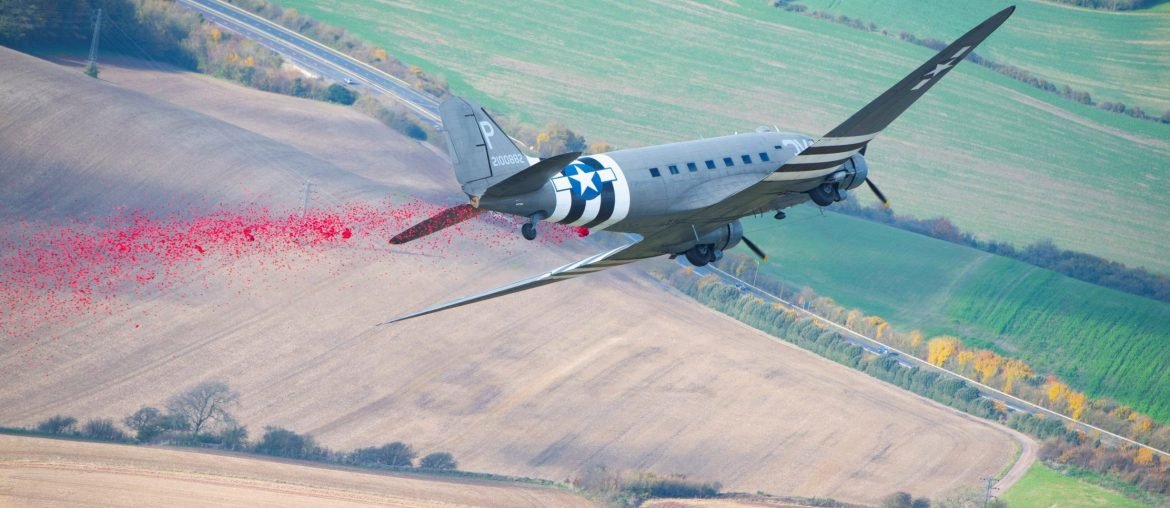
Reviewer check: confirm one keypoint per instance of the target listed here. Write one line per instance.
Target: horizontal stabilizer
(443, 219)
(531, 178)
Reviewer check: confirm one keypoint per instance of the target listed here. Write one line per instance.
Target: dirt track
(613, 370)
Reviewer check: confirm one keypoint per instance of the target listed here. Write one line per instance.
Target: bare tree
(205, 403)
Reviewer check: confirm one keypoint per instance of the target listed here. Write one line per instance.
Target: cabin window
(655, 173)
(673, 169)
(692, 167)
(710, 164)
(764, 156)
(747, 159)
(727, 162)
(778, 147)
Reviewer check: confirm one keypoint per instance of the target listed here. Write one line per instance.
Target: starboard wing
(852, 135)
(627, 253)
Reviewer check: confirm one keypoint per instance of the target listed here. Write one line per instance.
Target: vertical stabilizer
(481, 151)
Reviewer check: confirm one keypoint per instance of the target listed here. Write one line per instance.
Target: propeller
(751, 245)
(441, 220)
(878, 193)
(873, 187)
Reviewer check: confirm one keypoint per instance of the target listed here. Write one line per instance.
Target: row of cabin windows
(692, 167)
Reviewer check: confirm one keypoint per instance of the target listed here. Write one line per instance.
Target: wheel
(698, 256)
(528, 230)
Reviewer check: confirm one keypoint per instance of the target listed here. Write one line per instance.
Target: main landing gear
(700, 255)
(528, 230)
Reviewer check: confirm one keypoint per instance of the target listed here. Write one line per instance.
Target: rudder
(481, 152)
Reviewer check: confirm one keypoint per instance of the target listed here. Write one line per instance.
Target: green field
(1043, 487)
(998, 157)
(1119, 56)
(1101, 341)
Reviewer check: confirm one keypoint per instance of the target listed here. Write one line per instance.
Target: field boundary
(988, 391)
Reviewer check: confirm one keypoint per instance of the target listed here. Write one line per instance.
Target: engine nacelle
(851, 175)
(710, 246)
(725, 237)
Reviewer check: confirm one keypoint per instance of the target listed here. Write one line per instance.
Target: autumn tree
(1076, 405)
(599, 147)
(941, 349)
(964, 358)
(204, 404)
(1058, 392)
(1144, 457)
(986, 364)
(1014, 370)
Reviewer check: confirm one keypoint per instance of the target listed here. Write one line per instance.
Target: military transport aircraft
(681, 198)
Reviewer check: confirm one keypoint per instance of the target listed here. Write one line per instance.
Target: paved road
(316, 57)
(328, 62)
(872, 346)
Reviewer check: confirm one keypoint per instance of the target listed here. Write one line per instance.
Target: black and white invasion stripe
(821, 157)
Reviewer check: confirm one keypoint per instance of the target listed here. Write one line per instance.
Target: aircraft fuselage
(640, 189)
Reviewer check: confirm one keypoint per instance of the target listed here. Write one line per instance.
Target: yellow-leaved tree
(986, 364)
(1076, 405)
(1014, 370)
(940, 349)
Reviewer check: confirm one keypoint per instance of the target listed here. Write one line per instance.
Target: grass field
(1102, 341)
(1119, 56)
(1043, 487)
(997, 156)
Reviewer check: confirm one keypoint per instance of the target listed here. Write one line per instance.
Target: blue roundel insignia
(585, 180)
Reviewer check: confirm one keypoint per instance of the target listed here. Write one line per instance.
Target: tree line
(1112, 5)
(166, 32)
(553, 139)
(1130, 464)
(1011, 71)
(1044, 253)
(201, 416)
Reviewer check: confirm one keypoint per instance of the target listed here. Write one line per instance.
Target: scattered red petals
(53, 274)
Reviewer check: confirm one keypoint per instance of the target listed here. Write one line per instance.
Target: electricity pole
(308, 192)
(987, 493)
(91, 68)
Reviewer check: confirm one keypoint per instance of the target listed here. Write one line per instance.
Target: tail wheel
(528, 230)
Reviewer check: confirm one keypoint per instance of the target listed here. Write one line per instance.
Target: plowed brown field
(613, 369)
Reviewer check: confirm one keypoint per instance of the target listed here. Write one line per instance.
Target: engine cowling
(710, 246)
(725, 237)
(851, 175)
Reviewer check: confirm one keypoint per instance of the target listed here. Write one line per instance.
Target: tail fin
(482, 153)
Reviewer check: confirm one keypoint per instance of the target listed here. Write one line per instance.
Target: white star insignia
(939, 68)
(584, 180)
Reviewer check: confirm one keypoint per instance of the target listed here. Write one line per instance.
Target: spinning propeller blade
(878, 193)
(872, 186)
(443, 219)
(751, 245)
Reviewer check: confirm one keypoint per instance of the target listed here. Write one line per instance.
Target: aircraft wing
(627, 253)
(853, 134)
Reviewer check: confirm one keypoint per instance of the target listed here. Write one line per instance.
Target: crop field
(614, 369)
(1043, 487)
(1102, 341)
(1119, 56)
(998, 157)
